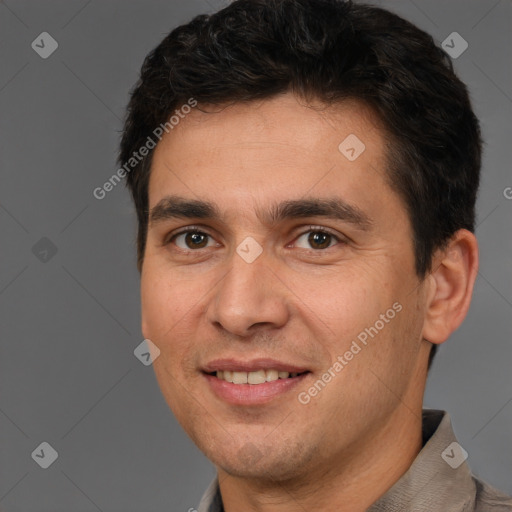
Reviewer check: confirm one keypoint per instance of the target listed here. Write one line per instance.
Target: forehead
(284, 119)
(277, 149)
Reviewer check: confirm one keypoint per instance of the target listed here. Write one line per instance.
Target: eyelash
(197, 229)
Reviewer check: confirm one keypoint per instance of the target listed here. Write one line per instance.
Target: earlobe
(451, 283)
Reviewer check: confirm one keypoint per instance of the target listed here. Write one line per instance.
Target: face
(289, 315)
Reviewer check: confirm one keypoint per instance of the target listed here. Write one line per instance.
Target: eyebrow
(177, 207)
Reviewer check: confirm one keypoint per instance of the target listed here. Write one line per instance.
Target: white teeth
(257, 377)
(272, 375)
(239, 377)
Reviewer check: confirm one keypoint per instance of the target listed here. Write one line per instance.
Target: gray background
(70, 324)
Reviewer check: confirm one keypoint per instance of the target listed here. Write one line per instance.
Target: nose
(249, 297)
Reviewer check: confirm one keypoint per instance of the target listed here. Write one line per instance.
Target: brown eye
(196, 240)
(316, 239)
(319, 240)
(190, 240)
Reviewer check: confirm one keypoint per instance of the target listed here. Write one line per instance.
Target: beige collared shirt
(439, 479)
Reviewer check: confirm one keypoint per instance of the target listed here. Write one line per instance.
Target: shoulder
(488, 498)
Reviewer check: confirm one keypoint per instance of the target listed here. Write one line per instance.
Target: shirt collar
(438, 479)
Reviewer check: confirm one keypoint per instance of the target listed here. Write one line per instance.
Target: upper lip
(252, 365)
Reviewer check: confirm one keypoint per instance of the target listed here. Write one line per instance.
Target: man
(305, 242)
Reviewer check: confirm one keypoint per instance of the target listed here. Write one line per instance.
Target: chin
(264, 463)
(263, 472)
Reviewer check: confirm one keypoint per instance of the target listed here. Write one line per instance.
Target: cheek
(165, 302)
(342, 304)
(171, 317)
(154, 302)
(164, 322)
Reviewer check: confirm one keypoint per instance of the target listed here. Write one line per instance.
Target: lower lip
(252, 394)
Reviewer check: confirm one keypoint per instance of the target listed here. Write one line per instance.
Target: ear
(454, 271)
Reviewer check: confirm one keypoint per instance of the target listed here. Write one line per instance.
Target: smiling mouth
(256, 377)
